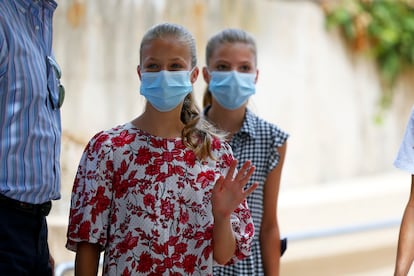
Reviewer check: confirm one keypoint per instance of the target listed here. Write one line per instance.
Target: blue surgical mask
(165, 90)
(232, 89)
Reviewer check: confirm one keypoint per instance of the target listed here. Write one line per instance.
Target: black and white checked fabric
(257, 141)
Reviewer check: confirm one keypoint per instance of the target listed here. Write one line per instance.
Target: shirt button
(37, 28)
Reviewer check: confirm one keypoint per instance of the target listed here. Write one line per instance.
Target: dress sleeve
(91, 195)
(405, 155)
(241, 219)
(242, 223)
(278, 138)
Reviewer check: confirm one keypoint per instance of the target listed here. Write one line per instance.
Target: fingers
(245, 172)
(218, 186)
(250, 190)
(230, 172)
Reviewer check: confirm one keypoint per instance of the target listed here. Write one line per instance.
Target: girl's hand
(229, 192)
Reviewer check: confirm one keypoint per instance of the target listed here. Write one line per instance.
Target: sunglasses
(56, 103)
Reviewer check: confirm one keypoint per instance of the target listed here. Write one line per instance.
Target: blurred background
(343, 101)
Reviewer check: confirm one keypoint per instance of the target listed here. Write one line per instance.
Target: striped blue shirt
(30, 126)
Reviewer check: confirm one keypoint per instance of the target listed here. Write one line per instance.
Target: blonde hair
(197, 133)
(229, 35)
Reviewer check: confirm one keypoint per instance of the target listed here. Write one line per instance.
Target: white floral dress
(146, 201)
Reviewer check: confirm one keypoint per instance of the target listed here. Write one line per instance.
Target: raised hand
(229, 192)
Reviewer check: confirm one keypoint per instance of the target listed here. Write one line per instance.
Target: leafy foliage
(382, 28)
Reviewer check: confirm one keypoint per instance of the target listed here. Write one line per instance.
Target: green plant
(382, 28)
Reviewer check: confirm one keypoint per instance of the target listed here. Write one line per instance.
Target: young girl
(160, 195)
(231, 74)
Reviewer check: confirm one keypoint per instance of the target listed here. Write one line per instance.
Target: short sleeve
(405, 155)
(278, 139)
(91, 195)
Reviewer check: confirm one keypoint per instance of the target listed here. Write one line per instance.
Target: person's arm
(87, 259)
(405, 251)
(227, 194)
(52, 263)
(269, 230)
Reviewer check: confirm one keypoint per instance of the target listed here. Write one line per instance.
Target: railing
(343, 230)
(66, 267)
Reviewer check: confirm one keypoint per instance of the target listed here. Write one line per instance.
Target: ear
(194, 75)
(139, 71)
(206, 75)
(257, 76)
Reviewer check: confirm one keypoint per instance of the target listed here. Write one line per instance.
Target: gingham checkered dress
(257, 141)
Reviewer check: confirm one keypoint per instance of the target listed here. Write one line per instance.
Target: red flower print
(167, 156)
(110, 165)
(127, 244)
(178, 170)
(177, 152)
(123, 139)
(84, 230)
(180, 248)
(207, 251)
(75, 218)
(143, 156)
(179, 145)
(249, 229)
(205, 178)
(126, 272)
(184, 217)
(200, 237)
(227, 158)
(160, 270)
(189, 263)
(167, 209)
(145, 263)
(123, 168)
(161, 177)
(101, 138)
(216, 144)
(161, 144)
(121, 189)
(149, 200)
(152, 170)
(159, 248)
(190, 158)
(100, 202)
(168, 262)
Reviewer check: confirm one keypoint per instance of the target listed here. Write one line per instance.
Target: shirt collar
(248, 126)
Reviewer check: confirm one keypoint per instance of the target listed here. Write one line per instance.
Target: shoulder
(109, 137)
(265, 129)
